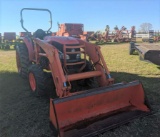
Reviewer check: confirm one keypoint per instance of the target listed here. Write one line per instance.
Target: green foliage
(116, 28)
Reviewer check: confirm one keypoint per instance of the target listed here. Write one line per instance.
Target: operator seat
(39, 34)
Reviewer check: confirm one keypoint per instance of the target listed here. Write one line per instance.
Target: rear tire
(22, 60)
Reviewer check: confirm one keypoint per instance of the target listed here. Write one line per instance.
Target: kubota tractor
(23, 34)
(84, 101)
(71, 30)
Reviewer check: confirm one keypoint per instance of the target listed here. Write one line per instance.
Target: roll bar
(21, 15)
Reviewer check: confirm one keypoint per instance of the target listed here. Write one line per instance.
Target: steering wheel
(39, 34)
(49, 33)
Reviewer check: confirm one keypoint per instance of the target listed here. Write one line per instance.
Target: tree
(107, 28)
(116, 28)
(145, 27)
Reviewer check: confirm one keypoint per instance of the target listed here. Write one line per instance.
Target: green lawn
(22, 115)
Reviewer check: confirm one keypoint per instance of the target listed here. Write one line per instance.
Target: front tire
(36, 78)
(50, 86)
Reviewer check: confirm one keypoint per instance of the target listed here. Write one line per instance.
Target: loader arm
(96, 57)
(60, 79)
(55, 65)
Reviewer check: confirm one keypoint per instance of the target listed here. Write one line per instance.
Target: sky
(94, 14)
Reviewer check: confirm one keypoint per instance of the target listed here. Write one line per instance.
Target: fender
(29, 44)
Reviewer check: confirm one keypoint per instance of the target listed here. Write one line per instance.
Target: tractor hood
(61, 39)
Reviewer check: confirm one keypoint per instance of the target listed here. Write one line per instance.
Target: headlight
(61, 56)
(67, 57)
(73, 50)
(78, 56)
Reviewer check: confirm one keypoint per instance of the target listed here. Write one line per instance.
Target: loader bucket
(94, 111)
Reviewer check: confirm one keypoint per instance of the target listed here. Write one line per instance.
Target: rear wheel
(22, 60)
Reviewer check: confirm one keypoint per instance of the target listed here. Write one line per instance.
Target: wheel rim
(32, 81)
(18, 62)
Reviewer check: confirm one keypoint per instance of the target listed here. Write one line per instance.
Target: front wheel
(36, 78)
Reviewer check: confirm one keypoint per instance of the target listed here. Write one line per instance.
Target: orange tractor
(72, 30)
(24, 34)
(84, 101)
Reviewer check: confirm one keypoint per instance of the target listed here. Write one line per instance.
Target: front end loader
(84, 100)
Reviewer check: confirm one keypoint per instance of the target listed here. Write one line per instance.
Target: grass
(118, 60)
(22, 115)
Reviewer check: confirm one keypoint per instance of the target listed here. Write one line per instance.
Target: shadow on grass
(10, 81)
(18, 106)
(158, 67)
(135, 53)
(31, 114)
